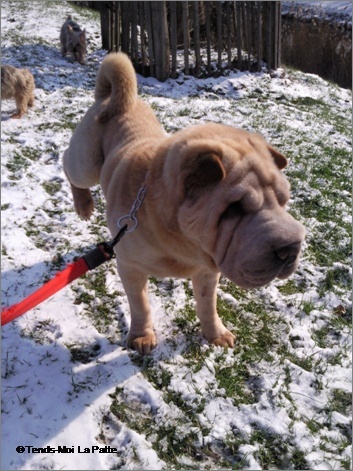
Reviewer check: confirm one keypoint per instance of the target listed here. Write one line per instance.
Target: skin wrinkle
(227, 246)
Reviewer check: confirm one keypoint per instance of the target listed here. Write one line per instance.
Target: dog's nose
(289, 253)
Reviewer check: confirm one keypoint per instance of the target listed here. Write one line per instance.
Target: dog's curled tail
(117, 81)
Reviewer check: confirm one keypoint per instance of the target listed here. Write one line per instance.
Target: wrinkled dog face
(232, 198)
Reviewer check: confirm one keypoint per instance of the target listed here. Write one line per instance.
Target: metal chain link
(135, 207)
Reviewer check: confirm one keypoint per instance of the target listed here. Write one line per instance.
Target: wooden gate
(201, 38)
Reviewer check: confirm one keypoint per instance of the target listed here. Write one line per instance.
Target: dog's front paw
(143, 345)
(227, 339)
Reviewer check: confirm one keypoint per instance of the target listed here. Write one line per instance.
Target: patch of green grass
(185, 319)
(53, 186)
(292, 287)
(233, 379)
(17, 165)
(83, 353)
(40, 333)
(257, 327)
(165, 438)
(341, 401)
(307, 101)
(184, 111)
(32, 230)
(336, 277)
(30, 153)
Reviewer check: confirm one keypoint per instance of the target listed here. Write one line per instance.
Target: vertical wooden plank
(110, 35)
(229, 33)
(269, 35)
(165, 41)
(185, 16)
(279, 33)
(259, 36)
(105, 27)
(219, 34)
(160, 39)
(142, 18)
(173, 37)
(196, 25)
(239, 34)
(125, 27)
(249, 31)
(117, 26)
(275, 35)
(208, 36)
(134, 40)
(149, 37)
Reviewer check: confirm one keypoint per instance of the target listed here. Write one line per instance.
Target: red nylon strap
(61, 279)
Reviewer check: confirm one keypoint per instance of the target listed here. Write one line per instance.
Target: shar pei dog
(215, 201)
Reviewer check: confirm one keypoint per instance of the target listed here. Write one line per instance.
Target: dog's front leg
(205, 293)
(141, 336)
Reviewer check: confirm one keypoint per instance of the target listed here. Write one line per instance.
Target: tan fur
(73, 40)
(18, 84)
(215, 201)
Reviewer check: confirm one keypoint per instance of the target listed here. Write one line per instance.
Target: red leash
(93, 259)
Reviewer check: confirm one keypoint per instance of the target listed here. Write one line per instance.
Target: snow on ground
(281, 398)
(339, 11)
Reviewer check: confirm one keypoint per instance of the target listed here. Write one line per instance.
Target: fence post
(278, 31)
(173, 36)
(239, 35)
(117, 26)
(185, 14)
(160, 39)
(229, 34)
(196, 25)
(208, 36)
(142, 36)
(219, 33)
(150, 37)
(259, 35)
(125, 27)
(105, 25)
(134, 39)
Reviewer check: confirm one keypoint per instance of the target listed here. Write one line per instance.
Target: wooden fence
(199, 37)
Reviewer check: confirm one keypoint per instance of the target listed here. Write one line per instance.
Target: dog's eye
(234, 209)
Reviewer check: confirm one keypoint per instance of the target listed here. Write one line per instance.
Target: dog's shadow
(6, 115)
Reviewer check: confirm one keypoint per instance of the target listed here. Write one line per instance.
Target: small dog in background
(18, 84)
(73, 40)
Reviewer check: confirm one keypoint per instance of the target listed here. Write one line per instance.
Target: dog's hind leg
(83, 201)
(30, 102)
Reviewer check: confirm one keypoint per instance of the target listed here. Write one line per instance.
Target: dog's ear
(200, 173)
(260, 144)
(280, 160)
